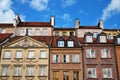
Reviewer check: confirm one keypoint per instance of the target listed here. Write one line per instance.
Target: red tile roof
(89, 27)
(5, 36)
(56, 38)
(6, 25)
(64, 29)
(34, 24)
(45, 39)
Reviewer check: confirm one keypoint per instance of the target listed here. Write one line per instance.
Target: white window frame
(45, 32)
(64, 34)
(103, 39)
(43, 54)
(89, 39)
(107, 73)
(30, 71)
(19, 54)
(60, 43)
(22, 31)
(109, 36)
(3, 30)
(70, 43)
(75, 58)
(37, 32)
(65, 58)
(55, 58)
(30, 32)
(31, 54)
(95, 34)
(90, 53)
(17, 70)
(91, 72)
(7, 54)
(42, 70)
(5, 71)
(56, 33)
(118, 40)
(105, 53)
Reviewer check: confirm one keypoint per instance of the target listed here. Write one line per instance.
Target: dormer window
(103, 39)
(70, 43)
(89, 39)
(95, 34)
(118, 40)
(60, 43)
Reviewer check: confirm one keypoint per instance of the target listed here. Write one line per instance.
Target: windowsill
(4, 76)
(29, 76)
(55, 62)
(91, 58)
(65, 62)
(30, 58)
(18, 58)
(6, 58)
(16, 76)
(107, 79)
(43, 58)
(42, 76)
(75, 62)
(106, 58)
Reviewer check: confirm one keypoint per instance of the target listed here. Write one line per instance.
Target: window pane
(30, 71)
(60, 43)
(29, 32)
(65, 75)
(64, 34)
(90, 53)
(56, 33)
(76, 58)
(55, 58)
(76, 75)
(107, 73)
(42, 71)
(3, 30)
(5, 71)
(7, 54)
(91, 72)
(55, 75)
(95, 34)
(22, 31)
(31, 54)
(17, 71)
(118, 40)
(66, 58)
(44, 32)
(102, 38)
(43, 54)
(37, 32)
(89, 39)
(70, 44)
(105, 53)
(19, 54)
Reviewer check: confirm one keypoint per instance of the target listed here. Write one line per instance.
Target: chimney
(77, 23)
(52, 20)
(100, 24)
(16, 20)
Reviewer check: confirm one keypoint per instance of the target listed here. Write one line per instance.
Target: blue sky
(89, 12)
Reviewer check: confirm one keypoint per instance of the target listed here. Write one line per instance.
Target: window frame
(42, 70)
(66, 58)
(5, 55)
(45, 54)
(74, 59)
(89, 39)
(103, 39)
(90, 54)
(61, 43)
(55, 58)
(45, 32)
(5, 71)
(108, 71)
(105, 53)
(55, 75)
(37, 32)
(20, 56)
(70, 43)
(33, 55)
(92, 74)
(30, 71)
(118, 40)
(65, 75)
(30, 32)
(18, 72)
(22, 31)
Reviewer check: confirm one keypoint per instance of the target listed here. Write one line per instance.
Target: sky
(89, 12)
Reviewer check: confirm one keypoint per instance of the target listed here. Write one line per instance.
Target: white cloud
(66, 3)
(112, 9)
(6, 13)
(66, 17)
(39, 5)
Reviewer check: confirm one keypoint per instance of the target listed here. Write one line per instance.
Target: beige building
(25, 58)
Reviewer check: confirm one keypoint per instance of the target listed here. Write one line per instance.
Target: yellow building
(25, 58)
(64, 32)
(111, 33)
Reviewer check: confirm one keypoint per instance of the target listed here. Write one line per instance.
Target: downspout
(83, 61)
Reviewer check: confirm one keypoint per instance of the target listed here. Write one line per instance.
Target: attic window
(103, 39)
(70, 43)
(89, 39)
(3, 30)
(95, 34)
(60, 43)
(118, 40)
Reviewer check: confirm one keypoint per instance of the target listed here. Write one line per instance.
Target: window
(71, 33)
(90, 53)
(64, 34)
(42, 70)
(22, 31)
(114, 35)
(42, 54)
(55, 58)
(17, 71)
(105, 53)
(44, 32)
(5, 70)
(56, 33)
(109, 36)
(18, 54)
(7, 54)
(76, 58)
(89, 39)
(70, 43)
(118, 40)
(60, 43)
(3, 30)
(30, 70)
(76, 75)
(102, 38)
(107, 73)
(66, 58)
(37, 32)
(55, 75)
(31, 54)
(65, 75)
(91, 72)
(30, 32)
(95, 34)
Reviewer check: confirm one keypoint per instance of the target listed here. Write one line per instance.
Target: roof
(111, 29)
(45, 39)
(89, 27)
(65, 38)
(6, 25)
(66, 29)
(5, 36)
(34, 24)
